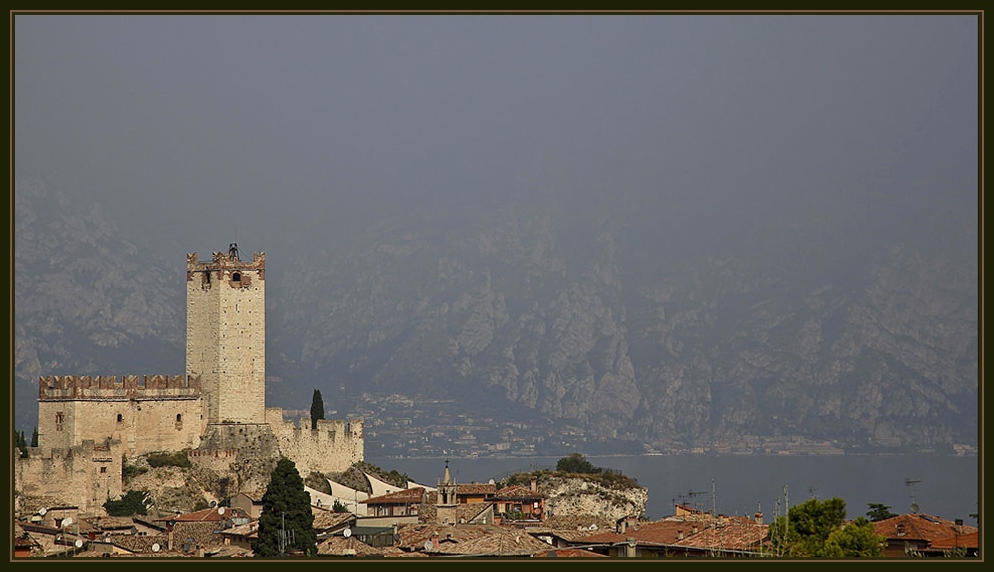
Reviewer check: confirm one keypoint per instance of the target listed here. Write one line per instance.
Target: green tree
(132, 503)
(878, 512)
(286, 507)
(807, 527)
(854, 540)
(317, 409)
(34, 438)
(576, 463)
(21, 443)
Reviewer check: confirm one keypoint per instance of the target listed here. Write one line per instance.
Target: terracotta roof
(202, 533)
(338, 546)
(569, 535)
(580, 521)
(918, 527)
(516, 492)
(403, 496)
(483, 540)
(208, 514)
(966, 540)
(249, 530)
(139, 544)
(733, 535)
(326, 520)
(476, 489)
(570, 553)
(465, 512)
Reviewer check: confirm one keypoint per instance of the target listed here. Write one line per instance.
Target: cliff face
(604, 322)
(576, 496)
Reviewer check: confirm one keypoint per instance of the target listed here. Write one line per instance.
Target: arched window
(120, 417)
(179, 417)
(236, 276)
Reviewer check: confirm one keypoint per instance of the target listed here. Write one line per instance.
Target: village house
(926, 535)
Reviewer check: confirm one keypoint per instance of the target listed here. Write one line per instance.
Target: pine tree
(317, 409)
(286, 514)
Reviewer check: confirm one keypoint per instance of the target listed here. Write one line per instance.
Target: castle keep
(216, 411)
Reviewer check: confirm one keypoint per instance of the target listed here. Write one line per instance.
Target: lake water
(945, 486)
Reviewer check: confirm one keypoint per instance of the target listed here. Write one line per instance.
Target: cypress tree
(34, 438)
(317, 409)
(286, 506)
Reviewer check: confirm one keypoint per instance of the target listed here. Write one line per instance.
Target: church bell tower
(226, 334)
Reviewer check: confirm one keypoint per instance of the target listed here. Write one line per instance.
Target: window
(179, 417)
(236, 276)
(103, 469)
(59, 418)
(120, 417)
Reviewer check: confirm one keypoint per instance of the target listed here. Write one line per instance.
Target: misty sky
(195, 128)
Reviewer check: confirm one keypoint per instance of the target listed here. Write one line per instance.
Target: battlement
(224, 261)
(63, 387)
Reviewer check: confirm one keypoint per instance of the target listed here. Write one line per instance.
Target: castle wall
(226, 335)
(85, 475)
(151, 413)
(331, 448)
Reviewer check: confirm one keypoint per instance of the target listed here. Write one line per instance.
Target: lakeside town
(402, 426)
(541, 514)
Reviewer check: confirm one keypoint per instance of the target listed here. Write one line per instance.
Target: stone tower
(226, 335)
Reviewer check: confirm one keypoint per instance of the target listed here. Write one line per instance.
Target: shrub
(163, 459)
(132, 503)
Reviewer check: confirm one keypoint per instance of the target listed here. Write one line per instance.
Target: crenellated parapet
(222, 265)
(97, 387)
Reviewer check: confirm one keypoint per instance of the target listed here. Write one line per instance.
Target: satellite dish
(220, 510)
(78, 543)
(156, 547)
(42, 511)
(914, 508)
(429, 545)
(213, 504)
(67, 522)
(347, 532)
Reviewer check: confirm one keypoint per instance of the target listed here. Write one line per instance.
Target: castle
(216, 412)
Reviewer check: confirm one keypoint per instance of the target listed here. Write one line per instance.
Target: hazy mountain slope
(87, 300)
(609, 321)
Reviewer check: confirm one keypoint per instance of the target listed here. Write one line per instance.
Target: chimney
(679, 535)
(759, 517)
(534, 483)
(629, 547)
(622, 526)
(694, 530)
(959, 526)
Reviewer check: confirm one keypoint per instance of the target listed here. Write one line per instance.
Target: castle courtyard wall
(331, 448)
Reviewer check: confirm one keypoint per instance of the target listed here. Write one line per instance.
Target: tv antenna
(813, 491)
(910, 483)
(693, 495)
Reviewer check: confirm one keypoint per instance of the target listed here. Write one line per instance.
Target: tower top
(233, 251)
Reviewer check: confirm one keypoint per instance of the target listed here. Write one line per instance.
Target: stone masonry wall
(85, 475)
(333, 447)
(226, 335)
(162, 414)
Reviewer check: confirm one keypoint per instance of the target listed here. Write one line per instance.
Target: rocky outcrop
(574, 496)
